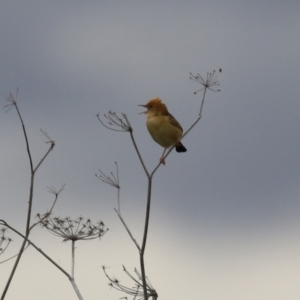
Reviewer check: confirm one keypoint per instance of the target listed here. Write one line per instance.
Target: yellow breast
(163, 131)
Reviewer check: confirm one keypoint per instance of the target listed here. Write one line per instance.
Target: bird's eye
(150, 106)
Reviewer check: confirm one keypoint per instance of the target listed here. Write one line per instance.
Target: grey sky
(225, 215)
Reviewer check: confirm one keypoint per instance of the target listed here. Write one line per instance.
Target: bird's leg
(162, 159)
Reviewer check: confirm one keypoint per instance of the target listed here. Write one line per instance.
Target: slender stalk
(73, 257)
(146, 226)
(208, 83)
(202, 102)
(32, 171)
(13, 256)
(127, 229)
(147, 215)
(56, 193)
(25, 135)
(147, 218)
(34, 246)
(71, 278)
(139, 154)
(142, 263)
(76, 289)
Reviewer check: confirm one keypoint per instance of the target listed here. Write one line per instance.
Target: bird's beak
(143, 112)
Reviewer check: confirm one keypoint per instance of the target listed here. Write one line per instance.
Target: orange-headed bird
(163, 127)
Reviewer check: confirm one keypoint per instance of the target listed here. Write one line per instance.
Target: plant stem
(71, 278)
(32, 172)
(73, 258)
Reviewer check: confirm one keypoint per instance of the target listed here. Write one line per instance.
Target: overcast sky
(225, 216)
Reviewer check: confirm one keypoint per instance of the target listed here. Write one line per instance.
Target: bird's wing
(174, 122)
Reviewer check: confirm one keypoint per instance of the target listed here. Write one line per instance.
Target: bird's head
(155, 107)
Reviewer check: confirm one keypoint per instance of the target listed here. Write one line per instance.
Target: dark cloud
(227, 203)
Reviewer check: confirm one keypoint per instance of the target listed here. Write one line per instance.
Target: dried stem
(114, 182)
(52, 190)
(73, 257)
(13, 102)
(46, 256)
(32, 244)
(128, 231)
(13, 256)
(4, 240)
(73, 230)
(56, 193)
(137, 290)
(209, 83)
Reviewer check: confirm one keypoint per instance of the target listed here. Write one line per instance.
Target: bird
(162, 126)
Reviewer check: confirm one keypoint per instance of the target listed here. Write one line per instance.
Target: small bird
(162, 126)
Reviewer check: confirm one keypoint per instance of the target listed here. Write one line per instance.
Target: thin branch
(133, 291)
(56, 193)
(114, 120)
(128, 231)
(52, 144)
(47, 257)
(51, 190)
(3, 261)
(209, 83)
(76, 289)
(13, 102)
(114, 182)
(38, 249)
(4, 240)
(73, 257)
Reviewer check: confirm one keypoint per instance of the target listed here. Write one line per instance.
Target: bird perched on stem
(162, 126)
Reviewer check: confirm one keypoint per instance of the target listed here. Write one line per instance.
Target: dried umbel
(210, 82)
(116, 123)
(137, 290)
(73, 230)
(4, 240)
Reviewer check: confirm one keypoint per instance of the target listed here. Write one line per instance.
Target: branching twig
(115, 121)
(129, 232)
(53, 191)
(2, 222)
(4, 240)
(114, 182)
(136, 291)
(209, 83)
(73, 230)
(52, 144)
(12, 101)
(47, 257)
(56, 193)
(13, 256)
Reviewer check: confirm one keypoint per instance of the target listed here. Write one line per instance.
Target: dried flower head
(4, 240)
(137, 290)
(73, 230)
(114, 121)
(12, 101)
(209, 82)
(112, 181)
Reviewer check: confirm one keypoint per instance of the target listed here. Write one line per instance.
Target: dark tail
(180, 148)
